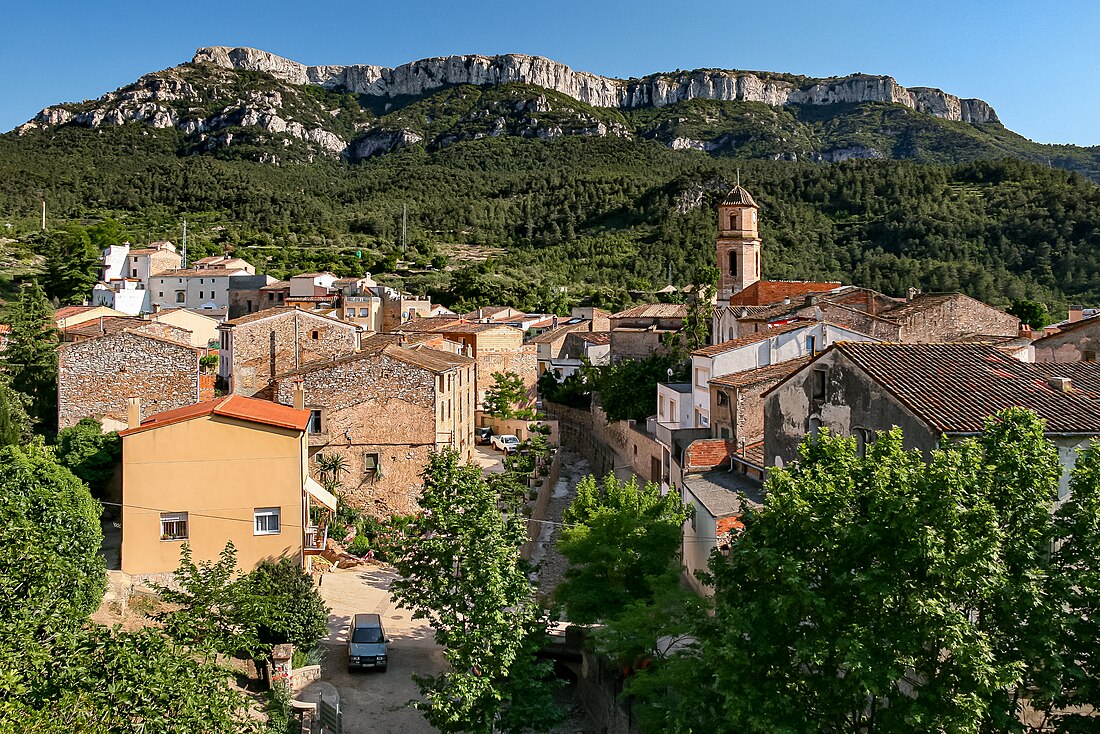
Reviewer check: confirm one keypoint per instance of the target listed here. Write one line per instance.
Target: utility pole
(183, 260)
(43, 213)
(404, 221)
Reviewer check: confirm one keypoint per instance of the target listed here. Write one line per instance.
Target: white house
(194, 289)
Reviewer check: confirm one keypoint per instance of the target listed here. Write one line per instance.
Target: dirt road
(373, 702)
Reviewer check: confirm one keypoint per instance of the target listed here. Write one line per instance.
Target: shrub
(360, 545)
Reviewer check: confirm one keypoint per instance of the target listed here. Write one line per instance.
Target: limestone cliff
(657, 90)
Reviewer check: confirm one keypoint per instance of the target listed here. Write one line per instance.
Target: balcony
(314, 539)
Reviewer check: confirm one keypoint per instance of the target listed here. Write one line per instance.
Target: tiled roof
(428, 323)
(466, 328)
(654, 311)
(66, 311)
(955, 387)
(919, 302)
(595, 337)
(488, 312)
(198, 273)
(313, 275)
(233, 406)
(776, 371)
(104, 325)
(724, 493)
(754, 454)
(276, 286)
(279, 310)
(766, 292)
(560, 332)
(743, 341)
(433, 360)
(1085, 375)
(737, 196)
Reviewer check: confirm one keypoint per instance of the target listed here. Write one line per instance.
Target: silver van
(367, 643)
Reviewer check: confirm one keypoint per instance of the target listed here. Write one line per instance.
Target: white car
(505, 442)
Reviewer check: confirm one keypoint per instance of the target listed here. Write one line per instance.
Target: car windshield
(367, 634)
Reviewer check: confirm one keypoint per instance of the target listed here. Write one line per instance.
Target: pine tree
(31, 360)
(72, 266)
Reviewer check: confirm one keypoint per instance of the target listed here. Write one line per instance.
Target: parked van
(367, 643)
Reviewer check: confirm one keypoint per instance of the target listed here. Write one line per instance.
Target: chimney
(298, 390)
(1060, 384)
(787, 301)
(1076, 313)
(156, 308)
(133, 412)
(912, 293)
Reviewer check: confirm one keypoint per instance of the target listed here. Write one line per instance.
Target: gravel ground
(551, 564)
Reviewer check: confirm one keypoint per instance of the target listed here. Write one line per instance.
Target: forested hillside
(596, 215)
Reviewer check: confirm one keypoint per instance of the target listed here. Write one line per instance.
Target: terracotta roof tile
(560, 332)
(654, 311)
(232, 406)
(737, 196)
(66, 311)
(776, 371)
(766, 292)
(955, 387)
(748, 339)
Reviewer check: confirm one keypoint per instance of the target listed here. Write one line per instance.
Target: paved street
(373, 702)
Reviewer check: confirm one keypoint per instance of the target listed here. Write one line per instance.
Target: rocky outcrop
(658, 90)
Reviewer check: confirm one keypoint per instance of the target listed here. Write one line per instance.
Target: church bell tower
(738, 243)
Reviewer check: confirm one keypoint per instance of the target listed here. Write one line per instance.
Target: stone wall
(376, 405)
(618, 447)
(523, 360)
(264, 343)
(96, 376)
(957, 316)
(1078, 343)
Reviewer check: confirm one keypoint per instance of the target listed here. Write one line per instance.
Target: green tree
(15, 424)
(696, 331)
(50, 565)
(72, 265)
(89, 453)
(30, 359)
(1032, 313)
(207, 608)
(505, 395)
(282, 604)
(888, 593)
(461, 571)
(619, 538)
(628, 390)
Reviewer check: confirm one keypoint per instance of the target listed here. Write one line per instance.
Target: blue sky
(1036, 63)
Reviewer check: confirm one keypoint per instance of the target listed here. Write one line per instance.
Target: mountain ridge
(653, 90)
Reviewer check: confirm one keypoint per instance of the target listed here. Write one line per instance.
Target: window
(200, 294)
(133, 273)
(732, 262)
(814, 425)
(180, 296)
(314, 421)
(370, 463)
(811, 344)
(314, 335)
(160, 294)
(173, 526)
(271, 296)
(266, 520)
(722, 398)
(733, 221)
(724, 432)
(817, 381)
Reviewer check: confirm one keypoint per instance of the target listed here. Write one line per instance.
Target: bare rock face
(420, 77)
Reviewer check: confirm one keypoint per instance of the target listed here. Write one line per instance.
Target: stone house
(779, 343)
(935, 393)
(1077, 341)
(563, 348)
(256, 347)
(637, 333)
(223, 262)
(737, 401)
(230, 469)
(384, 410)
(247, 295)
(97, 376)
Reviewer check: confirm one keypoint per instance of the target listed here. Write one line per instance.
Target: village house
(96, 377)
(1077, 340)
(639, 332)
(203, 328)
(565, 346)
(737, 401)
(256, 347)
(126, 274)
(384, 410)
(223, 262)
(67, 316)
(113, 324)
(935, 393)
(233, 469)
(718, 493)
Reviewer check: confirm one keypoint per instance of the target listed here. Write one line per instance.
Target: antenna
(404, 217)
(43, 213)
(183, 261)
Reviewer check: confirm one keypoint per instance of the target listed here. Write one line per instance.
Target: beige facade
(384, 411)
(1076, 342)
(204, 330)
(738, 245)
(206, 475)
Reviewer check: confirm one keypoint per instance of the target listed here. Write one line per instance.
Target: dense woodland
(567, 220)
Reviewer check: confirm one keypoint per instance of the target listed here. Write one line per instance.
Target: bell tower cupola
(738, 244)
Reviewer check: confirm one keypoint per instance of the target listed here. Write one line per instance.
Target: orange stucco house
(229, 469)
